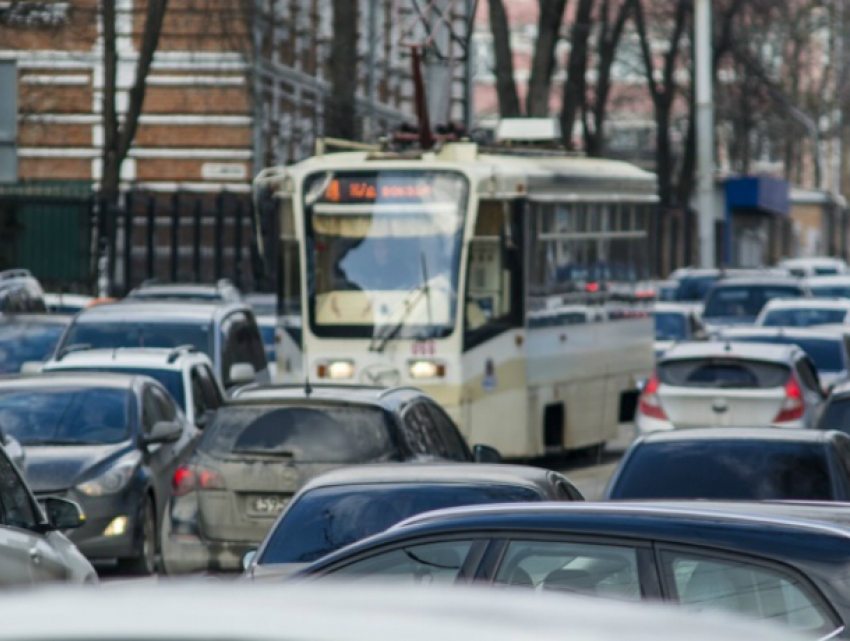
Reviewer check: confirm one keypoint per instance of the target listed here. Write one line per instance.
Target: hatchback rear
(728, 385)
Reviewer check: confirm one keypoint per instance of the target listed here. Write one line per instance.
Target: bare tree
(340, 110)
(575, 87)
(543, 63)
(505, 84)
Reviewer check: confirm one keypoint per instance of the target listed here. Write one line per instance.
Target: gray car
(346, 505)
(33, 548)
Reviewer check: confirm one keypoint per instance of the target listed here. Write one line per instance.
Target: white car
(187, 374)
(803, 312)
(727, 384)
(815, 266)
(829, 286)
(66, 303)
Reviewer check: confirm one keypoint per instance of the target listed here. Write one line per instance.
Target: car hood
(58, 467)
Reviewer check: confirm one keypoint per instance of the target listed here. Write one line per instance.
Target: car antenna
(308, 389)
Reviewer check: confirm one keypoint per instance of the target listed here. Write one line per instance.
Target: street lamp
(705, 131)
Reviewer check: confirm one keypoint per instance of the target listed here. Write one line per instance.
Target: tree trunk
(111, 171)
(575, 87)
(504, 71)
(543, 64)
(340, 109)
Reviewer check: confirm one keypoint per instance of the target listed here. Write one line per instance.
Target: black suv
(269, 440)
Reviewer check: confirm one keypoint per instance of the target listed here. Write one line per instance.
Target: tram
(505, 283)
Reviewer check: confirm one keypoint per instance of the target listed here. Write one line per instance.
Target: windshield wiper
(388, 332)
(259, 452)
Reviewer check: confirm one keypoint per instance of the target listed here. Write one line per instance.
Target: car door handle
(35, 555)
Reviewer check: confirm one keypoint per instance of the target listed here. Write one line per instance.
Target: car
(20, 293)
(722, 383)
(226, 332)
(836, 410)
(674, 323)
(221, 291)
(109, 442)
(27, 340)
(343, 506)
(33, 546)
(267, 441)
(693, 283)
(739, 301)
(747, 464)
(803, 312)
(815, 266)
(828, 349)
(186, 373)
(829, 286)
(60, 303)
(752, 559)
(322, 612)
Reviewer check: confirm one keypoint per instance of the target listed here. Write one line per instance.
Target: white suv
(186, 373)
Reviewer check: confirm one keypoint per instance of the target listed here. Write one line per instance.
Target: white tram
(505, 284)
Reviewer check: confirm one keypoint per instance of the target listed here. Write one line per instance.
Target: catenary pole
(705, 132)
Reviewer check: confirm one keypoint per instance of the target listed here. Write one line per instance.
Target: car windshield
(827, 353)
(693, 289)
(22, 342)
(170, 379)
(745, 300)
(66, 415)
(326, 519)
(831, 291)
(110, 334)
(803, 317)
(671, 326)
(305, 433)
(723, 373)
(726, 469)
(383, 252)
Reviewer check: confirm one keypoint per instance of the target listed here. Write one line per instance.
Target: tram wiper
(388, 332)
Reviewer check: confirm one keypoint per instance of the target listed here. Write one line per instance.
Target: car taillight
(650, 404)
(793, 406)
(188, 478)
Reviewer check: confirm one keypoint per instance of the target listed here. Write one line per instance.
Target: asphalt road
(591, 475)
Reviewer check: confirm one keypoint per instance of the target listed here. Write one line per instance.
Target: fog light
(338, 370)
(426, 369)
(117, 527)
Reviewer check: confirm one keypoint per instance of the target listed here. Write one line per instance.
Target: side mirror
(486, 454)
(164, 432)
(241, 374)
(248, 559)
(63, 514)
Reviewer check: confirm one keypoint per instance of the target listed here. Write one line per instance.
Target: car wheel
(144, 564)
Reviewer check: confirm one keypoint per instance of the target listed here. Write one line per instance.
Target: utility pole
(705, 132)
(371, 133)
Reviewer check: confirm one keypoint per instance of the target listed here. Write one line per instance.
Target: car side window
(255, 341)
(166, 409)
(241, 343)
(150, 410)
(419, 431)
(609, 571)
(455, 446)
(746, 589)
(808, 375)
(212, 393)
(16, 507)
(199, 397)
(424, 564)
(567, 492)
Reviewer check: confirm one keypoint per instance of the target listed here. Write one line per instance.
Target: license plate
(267, 505)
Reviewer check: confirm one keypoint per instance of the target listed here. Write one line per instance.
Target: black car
(343, 506)
(738, 301)
(29, 339)
(836, 411)
(775, 562)
(748, 464)
(261, 447)
(110, 442)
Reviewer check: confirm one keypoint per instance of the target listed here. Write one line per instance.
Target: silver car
(33, 548)
(728, 384)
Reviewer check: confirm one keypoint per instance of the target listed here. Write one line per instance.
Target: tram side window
(494, 274)
(290, 278)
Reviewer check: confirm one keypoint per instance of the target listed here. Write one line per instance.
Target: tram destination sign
(384, 187)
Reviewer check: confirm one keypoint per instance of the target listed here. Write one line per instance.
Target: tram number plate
(267, 505)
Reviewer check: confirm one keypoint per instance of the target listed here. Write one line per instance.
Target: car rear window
(694, 289)
(670, 326)
(316, 434)
(169, 379)
(826, 353)
(745, 300)
(723, 373)
(803, 317)
(726, 469)
(825, 271)
(831, 291)
(326, 519)
(114, 334)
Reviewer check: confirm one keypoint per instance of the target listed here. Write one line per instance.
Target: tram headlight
(426, 369)
(337, 370)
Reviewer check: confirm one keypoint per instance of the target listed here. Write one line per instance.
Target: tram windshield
(383, 252)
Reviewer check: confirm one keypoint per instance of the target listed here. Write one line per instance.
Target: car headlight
(336, 370)
(426, 369)
(114, 479)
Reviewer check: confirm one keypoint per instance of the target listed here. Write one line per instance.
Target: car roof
(259, 393)
(72, 379)
(160, 358)
(809, 303)
(821, 333)
(731, 349)
(675, 308)
(325, 611)
(153, 311)
(434, 473)
(755, 281)
(763, 434)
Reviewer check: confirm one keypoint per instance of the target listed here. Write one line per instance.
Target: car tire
(145, 563)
